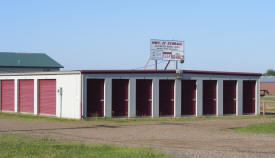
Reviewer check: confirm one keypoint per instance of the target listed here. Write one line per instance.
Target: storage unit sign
(166, 50)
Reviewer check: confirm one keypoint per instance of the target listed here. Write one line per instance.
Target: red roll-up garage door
(209, 97)
(120, 97)
(7, 95)
(166, 97)
(95, 97)
(249, 97)
(188, 97)
(229, 97)
(47, 97)
(26, 96)
(144, 97)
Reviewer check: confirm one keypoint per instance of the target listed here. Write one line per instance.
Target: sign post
(166, 50)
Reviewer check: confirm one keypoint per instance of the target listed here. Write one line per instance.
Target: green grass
(180, 119)
(258, 128)
(32, 117)
(17, 146)
(268, 98)
(122, 120)
(270, 109)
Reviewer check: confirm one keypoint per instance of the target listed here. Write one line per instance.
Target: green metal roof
(10, 59)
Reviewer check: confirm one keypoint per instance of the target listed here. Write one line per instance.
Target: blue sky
(228, 35)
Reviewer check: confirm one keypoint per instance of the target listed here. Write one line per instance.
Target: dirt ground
(204, 138)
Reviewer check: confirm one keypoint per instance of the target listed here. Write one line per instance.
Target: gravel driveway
(200, 138)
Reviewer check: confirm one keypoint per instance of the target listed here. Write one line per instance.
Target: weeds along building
(130, 93)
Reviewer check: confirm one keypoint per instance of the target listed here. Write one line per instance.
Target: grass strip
(268, 98)
(268, 128)
(121, 120)
(17, 146)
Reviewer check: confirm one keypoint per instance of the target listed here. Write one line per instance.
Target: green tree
(270, 72)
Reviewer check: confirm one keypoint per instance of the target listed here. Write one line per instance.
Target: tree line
(270, 72)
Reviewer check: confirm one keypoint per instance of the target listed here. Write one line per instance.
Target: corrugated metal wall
(188, 97)
(7, 95)
(209, 97)
(47, 97)
(120, 97)
(249, 97)
(166, 97)
(143, 97)
(26, 96)
(270, 86)
(95, 97)
(229, 97)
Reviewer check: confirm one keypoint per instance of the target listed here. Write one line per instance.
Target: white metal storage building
(130, 93)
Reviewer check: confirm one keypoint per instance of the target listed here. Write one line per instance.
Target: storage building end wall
(67, 106)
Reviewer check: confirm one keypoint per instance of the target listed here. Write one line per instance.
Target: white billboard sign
(166, 50)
